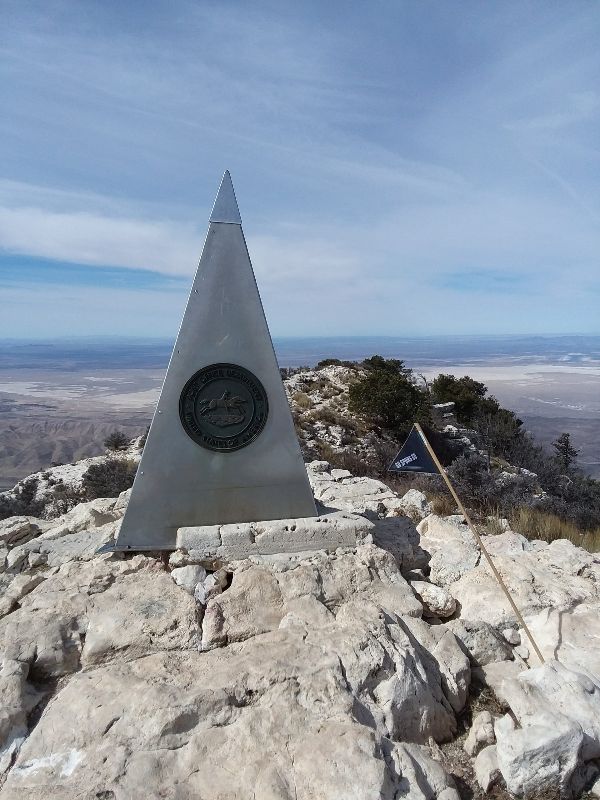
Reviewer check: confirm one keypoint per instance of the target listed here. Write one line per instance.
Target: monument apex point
(226, 208)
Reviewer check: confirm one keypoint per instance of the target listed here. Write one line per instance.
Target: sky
(402, 168)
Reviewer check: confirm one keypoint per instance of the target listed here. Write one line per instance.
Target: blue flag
(414, 456)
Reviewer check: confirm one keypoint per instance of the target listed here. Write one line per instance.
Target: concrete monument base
(241, 540)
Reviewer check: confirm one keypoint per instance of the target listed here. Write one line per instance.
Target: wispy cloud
(86, 238)
(372, 154)
(21, 271)
(579, 107)
(487, 282)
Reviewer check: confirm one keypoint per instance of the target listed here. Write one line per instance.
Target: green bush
(388, 396)
(116, 440)
(468, 396)
(62, 499)
(108, 479)
(22, 501)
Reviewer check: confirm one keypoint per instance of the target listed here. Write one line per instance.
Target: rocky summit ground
(395, 669)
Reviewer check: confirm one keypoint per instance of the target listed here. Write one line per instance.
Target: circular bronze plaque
(223, 407)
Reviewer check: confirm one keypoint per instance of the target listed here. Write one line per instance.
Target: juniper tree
(565, 453)
(116, 440)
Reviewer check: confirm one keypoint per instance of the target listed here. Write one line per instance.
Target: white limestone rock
(551, 694)
(84, 516)
(317, 467)
(559, 714)
(486, 767)
(415, 503)
(512, 636)
(539, 758)
(437, 602)
(76, 535)
(321, 668)
(557, 579)
(138, 617)
(452, 547)
(522, 651)
(482, 642)
(279, 710)
(495, 673)
(481, 733)
(356, 495)
(340, 474)
(312, 672)
(452, 663)
(188, 577)
(399, 537)
(259, 598)
(19, 586)
(122, 501)
(17, 530)
(211, 586)
(99, 608)
(570, 636)
(17, 699)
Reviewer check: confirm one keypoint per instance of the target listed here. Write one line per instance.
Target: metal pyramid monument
(221, 447)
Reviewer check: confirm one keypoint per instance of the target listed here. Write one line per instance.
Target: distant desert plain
(59, 400)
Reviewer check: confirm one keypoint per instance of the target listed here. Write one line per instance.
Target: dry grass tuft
(302, 399)
(493, 526)
(535, 524)
(443, 504)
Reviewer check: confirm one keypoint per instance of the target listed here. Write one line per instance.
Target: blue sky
(402, 168)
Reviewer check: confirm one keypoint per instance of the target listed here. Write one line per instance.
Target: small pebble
(512, 636)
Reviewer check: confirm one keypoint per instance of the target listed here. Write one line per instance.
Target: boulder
(84, 516)
(17, 530)
(535, 582)
(356, 495)
(570, 635)
(399, 537)
(452, 548)
(558, 711)
(452, 663)
(260, 597)
(122, 501)
(539, 759)
(317, 467)
(437, 602)
(554, 695)
(17, 699)
(340, 474)
(210, 586)
(19, 586)
(481, 733)
(415, 503)
(483, 643)
(137, 617)
(278, 707)
(512, 636)
(188, 577)
(486, 767)
(59, 544)
(522, 651)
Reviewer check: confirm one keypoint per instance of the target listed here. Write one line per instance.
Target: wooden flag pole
(479, 542)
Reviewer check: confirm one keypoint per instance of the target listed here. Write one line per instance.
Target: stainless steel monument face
(222, 446)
